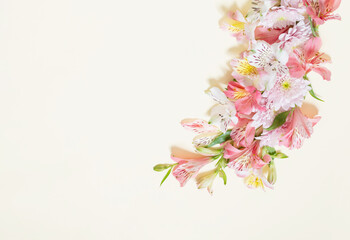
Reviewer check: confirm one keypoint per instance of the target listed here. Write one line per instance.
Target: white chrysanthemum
(281, 17)
(270, 138)
(295, 36)
(287, 92)
(264, 118)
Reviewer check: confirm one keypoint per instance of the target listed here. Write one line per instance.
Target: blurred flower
(206, 180)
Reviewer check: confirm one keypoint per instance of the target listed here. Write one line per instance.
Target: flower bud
(161, 167)
(272, 173)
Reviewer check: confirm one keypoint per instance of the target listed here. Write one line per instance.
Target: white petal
(204, 139)
(217, 95)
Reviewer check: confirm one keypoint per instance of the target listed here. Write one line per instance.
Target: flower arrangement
(261, 107)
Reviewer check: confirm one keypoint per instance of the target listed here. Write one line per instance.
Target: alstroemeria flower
(269, 35)
(287, 92)
(292, 3)
(269, 57)
(322, 10)
(261, 8)
(254, 178)
(188, 168)
(292, 133)
(206, 180)
(239, 27)
(242, 159)
(281, 17)
(224, 113)
(308, 58)
(246, 99)
(243, 133)
(297, 128)
(206, 132)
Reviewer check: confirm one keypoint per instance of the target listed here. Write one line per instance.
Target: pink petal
(312, 46)
(268, 35)
(296, 69)
(324, 72)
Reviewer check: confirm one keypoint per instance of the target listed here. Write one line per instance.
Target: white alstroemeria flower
(269, 57)
(260, 9)
(292, 3)
(206, 180)
(206, 132)
(224, 113)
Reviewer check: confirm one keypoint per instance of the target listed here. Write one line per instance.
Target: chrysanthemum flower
(287, 93)
(281, 17)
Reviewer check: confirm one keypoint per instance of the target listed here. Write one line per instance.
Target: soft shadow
(309, 110)
(182, 153)
(225, 78)
(232, 8)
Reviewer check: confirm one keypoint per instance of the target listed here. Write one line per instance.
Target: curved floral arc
(259, 111)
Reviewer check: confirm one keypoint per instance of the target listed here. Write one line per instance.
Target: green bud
(280, 155)
(272, 174)
(268, 150)
(162, 167)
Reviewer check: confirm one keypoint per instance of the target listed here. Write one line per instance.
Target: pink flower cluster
(261, 108)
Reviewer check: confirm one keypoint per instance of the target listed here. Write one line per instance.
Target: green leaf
(221, 138)
(279, 120)
(280, 155)
(312, 93)
(166, 176)
(222, 163)
(270, 150)
(162, 167)
(222, 174)
(314, 28)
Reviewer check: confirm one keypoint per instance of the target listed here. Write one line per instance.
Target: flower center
(254, 181)
(236, 26)
(286, 84)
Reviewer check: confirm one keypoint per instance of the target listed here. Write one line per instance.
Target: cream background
(91, 96)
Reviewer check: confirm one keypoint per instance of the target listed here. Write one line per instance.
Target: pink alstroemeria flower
(243, 133)
(246, 99)
(242, 160)
(308, 59)
(297, 128)
(321, 10)
(269, 35)
(188, 168)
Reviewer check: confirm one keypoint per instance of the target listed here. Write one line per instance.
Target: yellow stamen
(281, 19)
(241, 93)
(244, 68)
(254, 181)
(236, 26)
